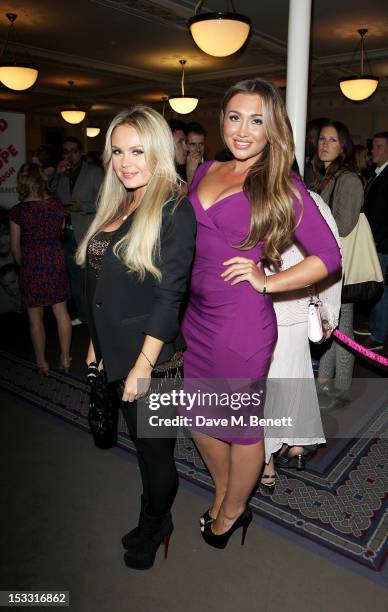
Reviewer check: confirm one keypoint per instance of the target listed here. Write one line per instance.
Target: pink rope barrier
(360, 349)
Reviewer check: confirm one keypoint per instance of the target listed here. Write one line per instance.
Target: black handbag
(104, 401)
(103, 408)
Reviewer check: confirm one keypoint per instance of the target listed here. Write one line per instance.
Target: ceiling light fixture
(13, 74)
(72, 114)
(92, 132)
(219, 34)
(183, 104)
(164, 100)
(363, 86)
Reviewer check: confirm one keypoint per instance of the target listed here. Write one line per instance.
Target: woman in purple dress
(248, 209)
(35, 227)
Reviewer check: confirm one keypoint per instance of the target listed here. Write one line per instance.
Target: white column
(297, 72)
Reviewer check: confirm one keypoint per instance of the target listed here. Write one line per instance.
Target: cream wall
(363, 120)
(207, 117)
(35, 122)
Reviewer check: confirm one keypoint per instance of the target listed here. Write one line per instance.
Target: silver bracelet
(152, 366)
(265, 284)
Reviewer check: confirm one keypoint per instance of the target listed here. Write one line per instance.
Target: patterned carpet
(338, 505)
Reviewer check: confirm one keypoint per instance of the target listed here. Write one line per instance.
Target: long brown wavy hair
(268, 183)
(343, 162)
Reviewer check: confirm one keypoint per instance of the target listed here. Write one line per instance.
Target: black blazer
(376, 210)
(125, 309)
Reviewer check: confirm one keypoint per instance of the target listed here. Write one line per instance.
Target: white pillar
(298, 49)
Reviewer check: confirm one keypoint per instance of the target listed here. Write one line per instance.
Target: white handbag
(318, 324)
(315, 328)
(363, 277)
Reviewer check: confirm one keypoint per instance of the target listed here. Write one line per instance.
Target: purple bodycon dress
(231, 331)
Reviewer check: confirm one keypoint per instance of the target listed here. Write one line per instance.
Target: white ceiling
(122, 51)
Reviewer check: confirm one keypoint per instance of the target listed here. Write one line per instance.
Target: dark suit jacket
(85, 190)
(125, 309)
(376, 210)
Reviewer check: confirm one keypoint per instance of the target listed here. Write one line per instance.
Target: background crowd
(349, 177)
(127, 253)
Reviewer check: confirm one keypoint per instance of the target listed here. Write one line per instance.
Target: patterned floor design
(339, 505)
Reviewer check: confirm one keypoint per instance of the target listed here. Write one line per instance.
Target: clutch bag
(103, 408)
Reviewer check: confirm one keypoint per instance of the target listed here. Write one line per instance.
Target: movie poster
(12, 155)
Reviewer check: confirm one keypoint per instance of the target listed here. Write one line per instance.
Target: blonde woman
(248, 210)
(291, 368)
(138, 254)
(35, 227)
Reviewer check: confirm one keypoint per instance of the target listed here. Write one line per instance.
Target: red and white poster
(12, 155)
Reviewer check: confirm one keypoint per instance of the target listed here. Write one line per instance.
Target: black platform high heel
(221, 540)
(155, 530)
(297, 462)
(206, 519)
(269, 486)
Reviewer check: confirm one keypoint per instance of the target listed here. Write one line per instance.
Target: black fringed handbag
(103, 408)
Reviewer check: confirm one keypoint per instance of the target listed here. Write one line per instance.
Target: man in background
(178, 129)
(196, 142)
(376, 210)
(76, 184)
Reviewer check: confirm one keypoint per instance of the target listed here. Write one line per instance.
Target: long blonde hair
(139, 248)
(268, 182)
(31, 181)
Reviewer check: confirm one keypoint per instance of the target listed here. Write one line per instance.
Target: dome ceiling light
(72, 114)
(92, 132)
(14, 74)
(183, 104)
(219, 34)
(360, 87)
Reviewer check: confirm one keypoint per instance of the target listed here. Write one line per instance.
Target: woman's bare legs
(246, 463)
(38, 336)
(64, 332)
(235, 469)
(295, 450)
(216, 455)
(267, 477)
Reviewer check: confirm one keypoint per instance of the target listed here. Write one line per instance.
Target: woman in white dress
(292, 386)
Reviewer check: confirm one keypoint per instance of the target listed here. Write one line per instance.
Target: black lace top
(95, 252)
